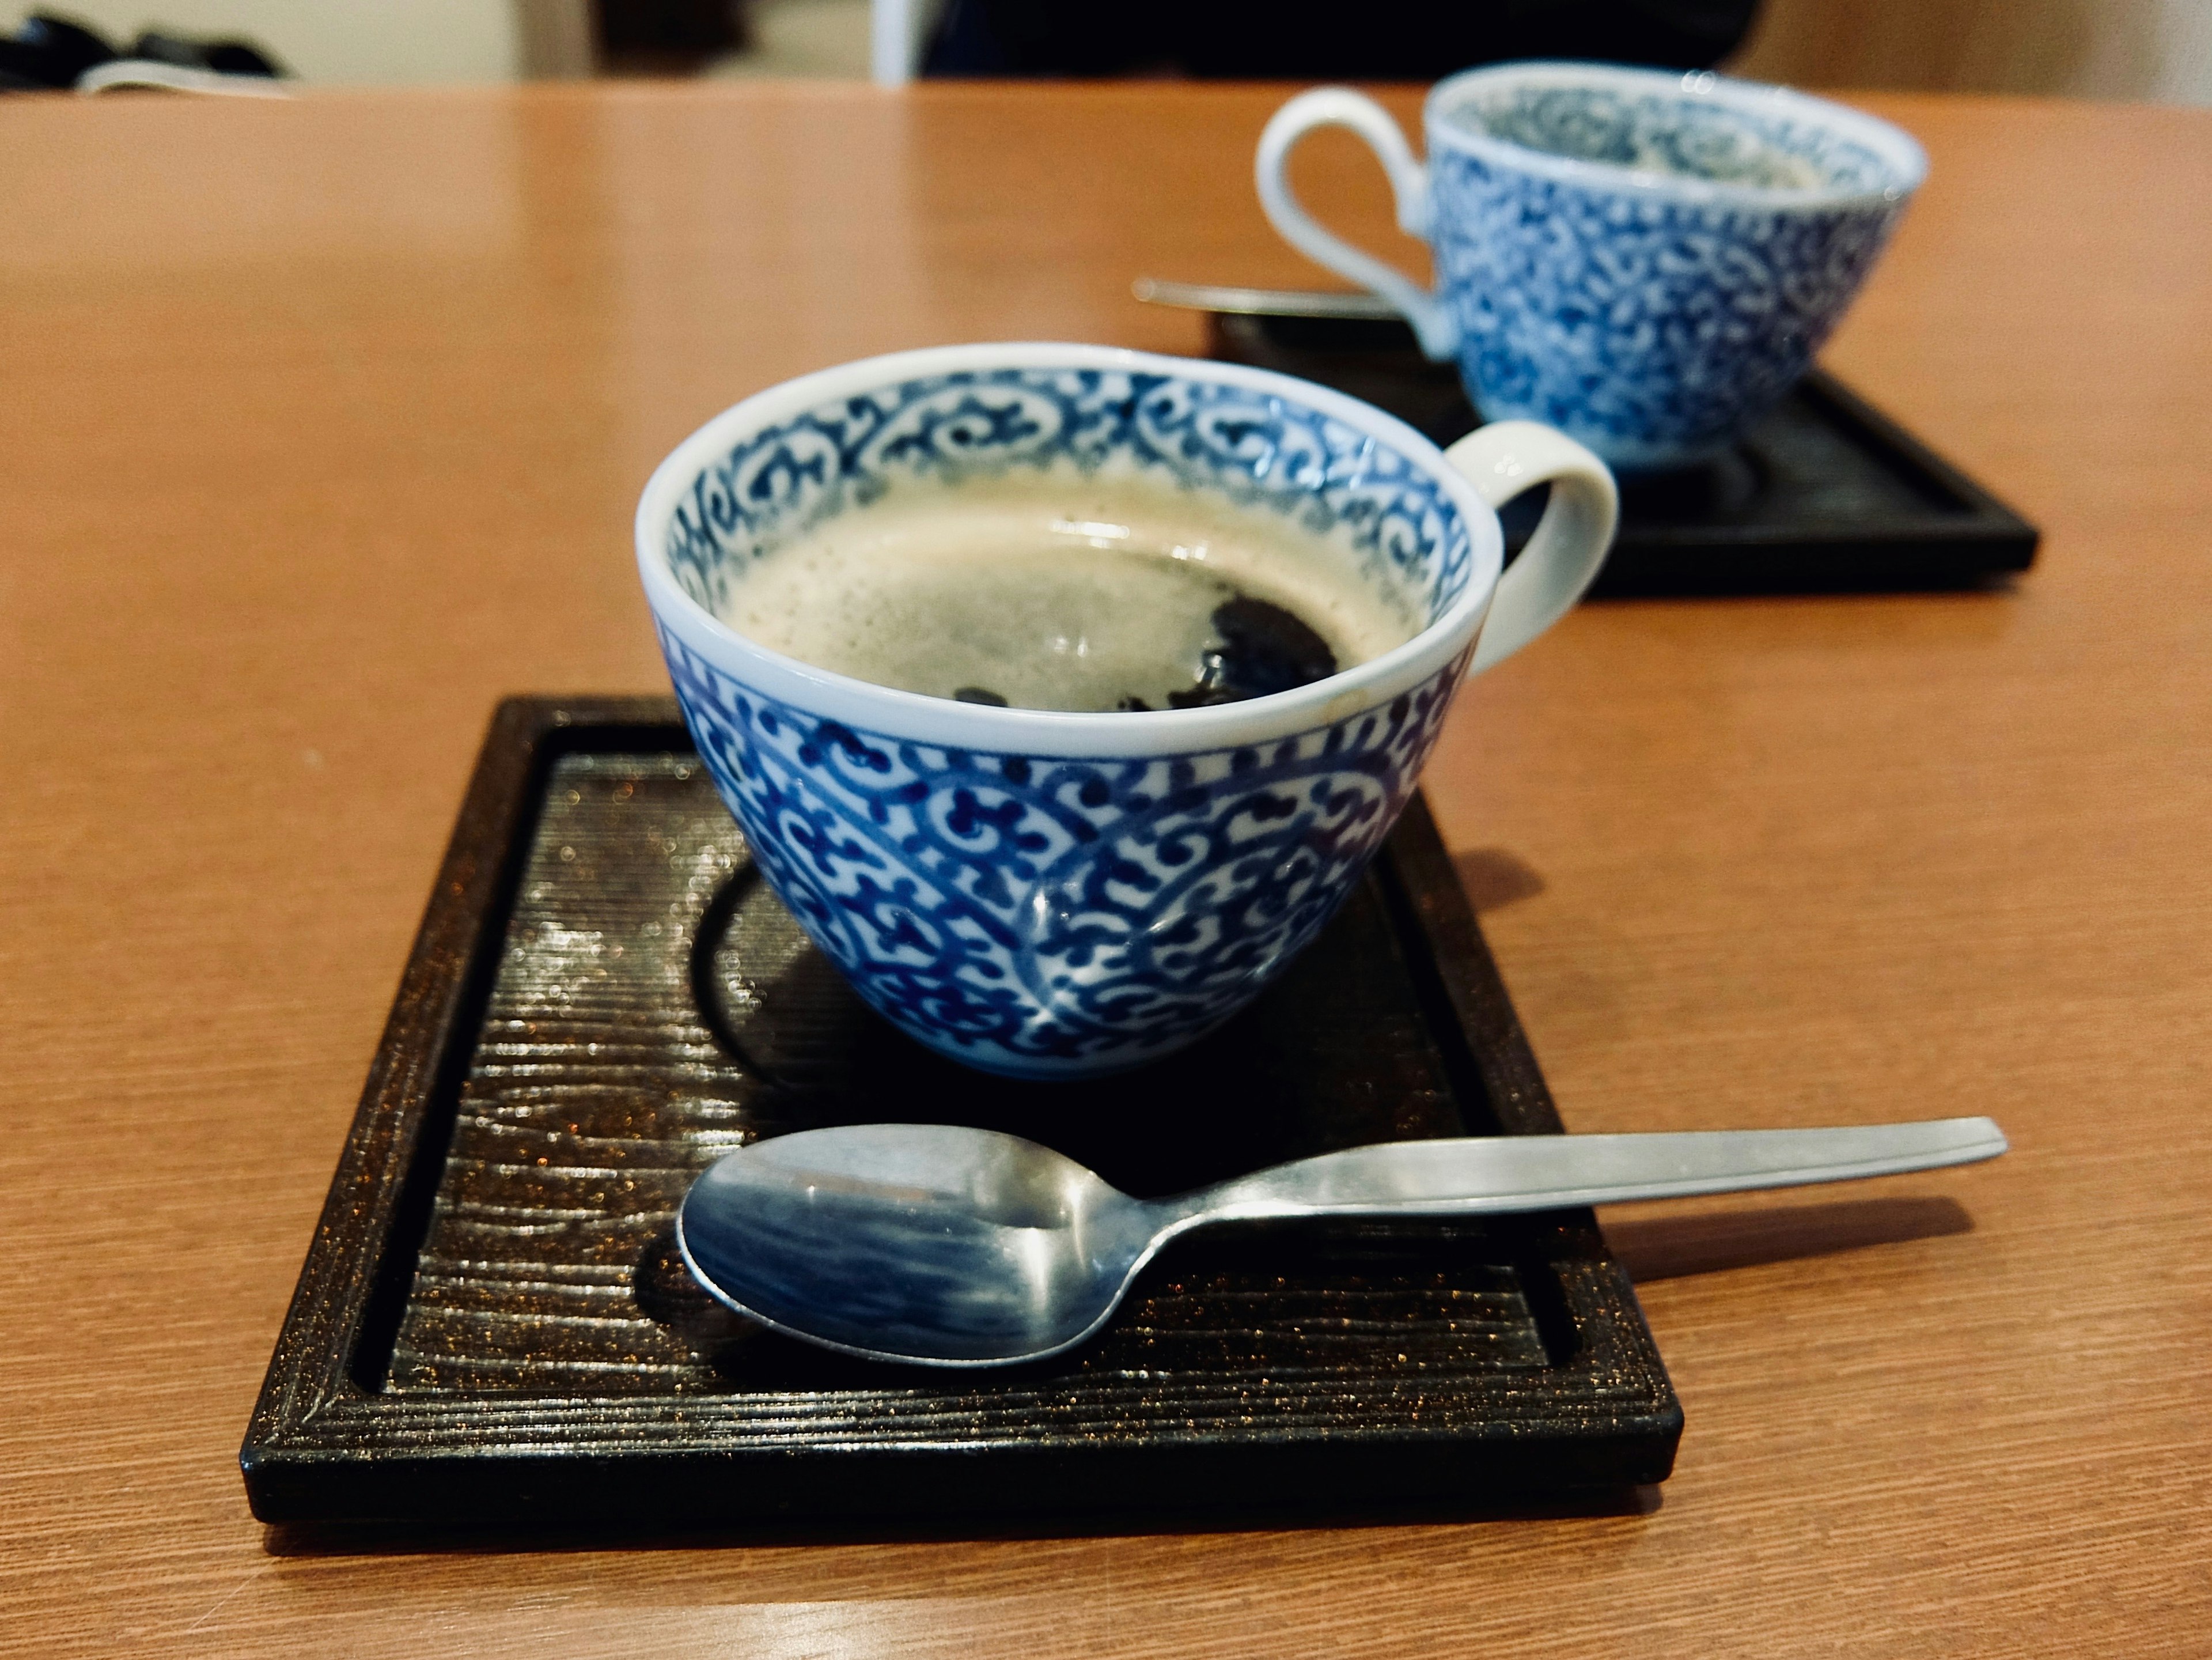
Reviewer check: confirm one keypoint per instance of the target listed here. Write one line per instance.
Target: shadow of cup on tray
(1674, 1247)
(1251, 1093)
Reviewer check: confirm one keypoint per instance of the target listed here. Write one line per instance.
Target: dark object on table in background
(221, 57)
(665, 37)
(1825, 495)
(1311, 40)
(52, 54)
(47, 54)
(494, 1326)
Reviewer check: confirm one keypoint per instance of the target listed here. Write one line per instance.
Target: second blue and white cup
(1645, 260)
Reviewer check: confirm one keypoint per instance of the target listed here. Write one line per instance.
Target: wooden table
(321, 428)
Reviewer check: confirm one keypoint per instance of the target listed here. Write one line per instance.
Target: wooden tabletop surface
(321, 423)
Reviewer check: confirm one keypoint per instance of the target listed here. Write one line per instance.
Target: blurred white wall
(816, 39)
(386, 42)
(2149, 50)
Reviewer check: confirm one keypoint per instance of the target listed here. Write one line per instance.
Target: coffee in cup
(1054, 892)
(1055, 590)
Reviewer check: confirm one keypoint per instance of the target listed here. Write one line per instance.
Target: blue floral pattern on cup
(1043, 914)
(1033, 913)
(1648, 326)
(1673, 135)
(1255, 448)
(1645, 261)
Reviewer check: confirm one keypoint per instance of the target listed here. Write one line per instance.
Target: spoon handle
(1490, 1175)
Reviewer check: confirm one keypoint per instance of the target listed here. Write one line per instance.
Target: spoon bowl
(949, 1246)
(914, 1241)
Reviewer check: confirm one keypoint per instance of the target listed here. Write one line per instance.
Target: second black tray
(1825, 494)
(493, 1325)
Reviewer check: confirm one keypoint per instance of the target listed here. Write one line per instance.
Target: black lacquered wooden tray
(1824, 495)
(493, 1325)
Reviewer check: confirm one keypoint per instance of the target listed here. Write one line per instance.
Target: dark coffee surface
(1259, 648)
(1064, 590)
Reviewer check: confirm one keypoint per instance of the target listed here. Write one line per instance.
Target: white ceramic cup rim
(1897, 148)
(944, 722)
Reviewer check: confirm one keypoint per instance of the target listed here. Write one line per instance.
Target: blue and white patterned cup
(1056, 895)
(1645, 260)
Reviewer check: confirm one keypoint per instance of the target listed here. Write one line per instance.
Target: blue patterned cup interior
(1052, 894)
(1645, 260)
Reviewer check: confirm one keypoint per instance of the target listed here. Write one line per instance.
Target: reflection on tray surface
(656, 1005)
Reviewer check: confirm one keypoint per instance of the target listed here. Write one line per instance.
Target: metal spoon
(957, 1246)
(1261, 302)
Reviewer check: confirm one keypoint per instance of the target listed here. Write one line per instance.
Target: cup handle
(1337, 106)
(1540, 587)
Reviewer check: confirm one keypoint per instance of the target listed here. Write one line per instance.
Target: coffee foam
(1053, 591)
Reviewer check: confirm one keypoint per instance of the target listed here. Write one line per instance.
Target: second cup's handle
(1501, 460)
(1337, 107)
